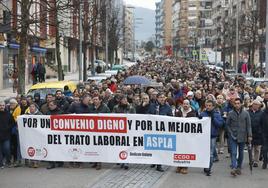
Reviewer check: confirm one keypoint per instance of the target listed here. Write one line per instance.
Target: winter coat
(191, 113)
(63, 104)
(216, 121)
(264, 126)
(256, 127)
(7, 122)
(238, 125)
(56, 111)
(144, 109)
(37, 112)
(78, 108)
(194, 104)
(103, 108)
(128, 109)
(159, 109)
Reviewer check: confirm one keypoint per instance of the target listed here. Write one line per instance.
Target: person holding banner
(238, 125)
(216, 123)
(161, 108)
(185, 111)
(124, 108)
(33, 110)
(54, 110)
(7, 122)
(98, 107)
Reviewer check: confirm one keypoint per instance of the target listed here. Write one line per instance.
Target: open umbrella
(137, 80)
(250, 157)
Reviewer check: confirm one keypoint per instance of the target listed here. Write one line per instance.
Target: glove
(200, 117)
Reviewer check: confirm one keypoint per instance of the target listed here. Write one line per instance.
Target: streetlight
(266, 50)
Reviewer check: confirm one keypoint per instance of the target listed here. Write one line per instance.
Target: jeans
(212, 150)
(234, 145)
(5, 151)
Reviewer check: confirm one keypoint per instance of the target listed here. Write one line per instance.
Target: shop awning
(39, 50)
(14, 46)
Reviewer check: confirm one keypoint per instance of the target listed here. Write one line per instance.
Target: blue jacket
(159, 109)
(194, 104)
(216, 121)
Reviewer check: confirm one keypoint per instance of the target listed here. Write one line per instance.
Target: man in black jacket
(82, 107)
(264, 126)
(255, 116)
(7, 121)
(53, 109)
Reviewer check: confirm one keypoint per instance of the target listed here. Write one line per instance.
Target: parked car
(50, 87)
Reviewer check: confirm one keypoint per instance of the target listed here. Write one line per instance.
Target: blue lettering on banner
(160, 142)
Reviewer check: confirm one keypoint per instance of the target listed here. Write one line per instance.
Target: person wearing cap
(7, 122)
(239, 131)
(255, 116)
(194, 104)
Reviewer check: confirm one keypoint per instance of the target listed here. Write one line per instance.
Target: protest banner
(116, 138)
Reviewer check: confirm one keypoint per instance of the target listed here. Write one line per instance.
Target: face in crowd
(52, 105)
(161, 99)
(2, 106)
(186, 105)
(209, 106)
(237, 104)
(96, 101)
(59, 95)
(32, 108)
(220, 99)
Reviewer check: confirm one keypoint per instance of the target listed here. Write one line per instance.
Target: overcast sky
(143, 3)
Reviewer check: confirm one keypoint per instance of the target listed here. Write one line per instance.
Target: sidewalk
(8, 92)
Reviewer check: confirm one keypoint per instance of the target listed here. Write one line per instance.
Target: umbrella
(137, 80)
(250, 157)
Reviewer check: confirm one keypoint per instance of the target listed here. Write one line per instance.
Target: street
(137, 176)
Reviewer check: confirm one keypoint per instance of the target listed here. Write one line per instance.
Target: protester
(7, 122)
(160, 108)
(185, 111)
(124, 108)
(216, 123)
(239, 130)
(98, 107)
(264, 126)
(53, 109)
(33, 110)
(255, 117)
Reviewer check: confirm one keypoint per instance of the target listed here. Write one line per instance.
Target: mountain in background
(146, 29)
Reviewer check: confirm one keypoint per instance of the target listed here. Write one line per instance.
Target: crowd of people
(238, 111)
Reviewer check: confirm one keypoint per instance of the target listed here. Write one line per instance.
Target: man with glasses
(239, 132)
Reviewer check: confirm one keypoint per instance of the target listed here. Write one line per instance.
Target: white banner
(116, 138)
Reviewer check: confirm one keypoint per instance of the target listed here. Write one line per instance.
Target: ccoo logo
(31, 151)
(123, 155)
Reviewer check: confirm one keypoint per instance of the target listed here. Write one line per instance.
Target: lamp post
(237, 37)
(266, 50)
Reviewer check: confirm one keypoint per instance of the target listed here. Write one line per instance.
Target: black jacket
(264, 126)
(7, 122)
(57, 111)
(103, 108)
(79, 108)
(256, 126)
